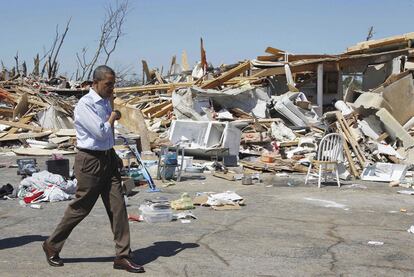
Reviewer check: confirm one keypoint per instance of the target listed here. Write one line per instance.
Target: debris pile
(267, 114)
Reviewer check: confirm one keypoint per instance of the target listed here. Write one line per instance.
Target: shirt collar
(95, 96)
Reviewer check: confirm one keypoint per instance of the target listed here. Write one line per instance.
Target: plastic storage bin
(152, 215)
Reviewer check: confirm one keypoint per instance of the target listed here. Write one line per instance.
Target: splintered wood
(350, 143)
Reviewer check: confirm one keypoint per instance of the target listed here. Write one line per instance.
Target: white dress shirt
(93, 132)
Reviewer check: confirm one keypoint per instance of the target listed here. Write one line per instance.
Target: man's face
(105, 87)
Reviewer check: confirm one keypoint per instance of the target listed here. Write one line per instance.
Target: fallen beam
(174, 86)
(226, 76)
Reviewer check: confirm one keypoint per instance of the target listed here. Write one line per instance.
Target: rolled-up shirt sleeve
(90, 121)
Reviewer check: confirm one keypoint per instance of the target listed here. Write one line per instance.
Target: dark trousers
(97, 174)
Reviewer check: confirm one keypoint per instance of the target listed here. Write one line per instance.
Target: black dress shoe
(51, 256)
(128, 265)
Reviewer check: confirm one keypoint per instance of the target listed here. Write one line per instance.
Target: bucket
(247, 180)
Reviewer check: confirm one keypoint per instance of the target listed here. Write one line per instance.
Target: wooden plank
(298, 57)
(371, 44)
(159, 78)
(6, 112)
(134, 121)
(173, 61)
(23, 126)
(274, 51)
(227, 76)
(382, 137)
(240, 113)
(16, 99)
(22, 106)
(174, 86)
(226, 176)
(163, 111)
(268, 58)
(151, 88)
(23, 120)
(25, 135)
(40, 152)
(348, 155)
(184, 61)
(351, 163)
(269, 72)
(152, 109)
(386, 42)
(145, 68)
(289, 143)
(351, 140)
(66, 133)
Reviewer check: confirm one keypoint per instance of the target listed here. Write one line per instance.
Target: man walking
(96, 169)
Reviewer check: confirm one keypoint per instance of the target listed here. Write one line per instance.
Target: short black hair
(100, 72)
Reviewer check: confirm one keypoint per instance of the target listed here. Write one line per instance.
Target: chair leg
(326, 174)
(307, 175)
(319, 176)
(337, 176)
(181, 166)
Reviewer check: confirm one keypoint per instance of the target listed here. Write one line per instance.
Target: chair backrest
(330, 147)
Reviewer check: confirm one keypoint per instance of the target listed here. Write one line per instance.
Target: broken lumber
(23, 126)
(226, 76)
(155, 108)
(168, 108)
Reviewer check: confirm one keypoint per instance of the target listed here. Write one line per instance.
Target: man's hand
(115, 115)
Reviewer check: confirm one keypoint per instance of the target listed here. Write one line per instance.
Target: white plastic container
(188, 161)
(151, 215)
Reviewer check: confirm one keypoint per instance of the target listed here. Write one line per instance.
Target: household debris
(156, 210)
(411, 229)
(183, 203)
(44, 186)
(375, 243)
(267, 114)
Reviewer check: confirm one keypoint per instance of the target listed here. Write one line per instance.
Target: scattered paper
(185, 215)
(228, 197)
(408, 192)
(373, 242)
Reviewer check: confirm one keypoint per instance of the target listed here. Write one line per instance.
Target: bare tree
(111, 32)
(115, 21)
(16, 59)
(82, 63)
(51, 65)
(36, 66)
(24, 69)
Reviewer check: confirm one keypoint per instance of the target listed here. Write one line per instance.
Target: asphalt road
(284, 230)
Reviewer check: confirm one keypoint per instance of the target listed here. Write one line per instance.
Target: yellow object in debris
(184, 203)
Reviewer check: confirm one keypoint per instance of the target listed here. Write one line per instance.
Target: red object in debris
(5, 95)
(32, 196)
(132, 217)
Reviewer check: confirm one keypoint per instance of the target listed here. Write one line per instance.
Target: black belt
(97, 152)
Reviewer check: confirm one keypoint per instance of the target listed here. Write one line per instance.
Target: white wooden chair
(329, 150)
